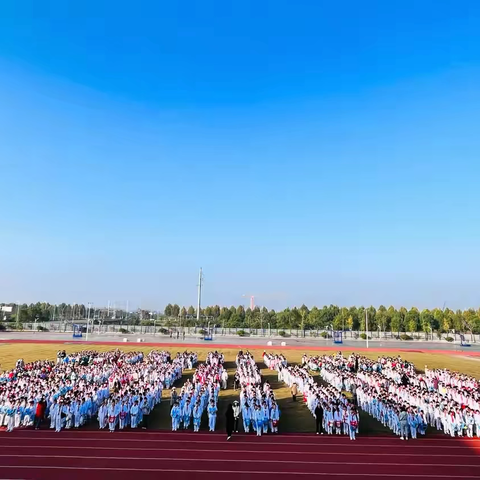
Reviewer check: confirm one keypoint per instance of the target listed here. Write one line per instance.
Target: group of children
(199, 395)
(333, 412)
(118, 388)
(406, 402)
(258, 405)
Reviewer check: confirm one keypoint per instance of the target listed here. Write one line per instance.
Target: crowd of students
(333, 412)
(406, 402)
(117, 388)
(199, 395)
(258, 406)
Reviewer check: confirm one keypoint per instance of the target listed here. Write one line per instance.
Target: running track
(92, 455)
(239, 346)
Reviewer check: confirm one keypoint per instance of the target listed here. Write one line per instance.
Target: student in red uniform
(40, 412)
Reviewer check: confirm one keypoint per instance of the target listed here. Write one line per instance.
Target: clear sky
(304, 151)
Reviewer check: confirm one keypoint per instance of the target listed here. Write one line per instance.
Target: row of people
(257, 405)
(274, 361)
(330, 407)
(198, 396)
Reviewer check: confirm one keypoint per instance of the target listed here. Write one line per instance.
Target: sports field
(88, 452)
(295, 416)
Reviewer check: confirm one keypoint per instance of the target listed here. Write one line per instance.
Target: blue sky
(308, 152)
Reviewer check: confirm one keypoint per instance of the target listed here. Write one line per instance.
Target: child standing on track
(274, 418)
(353, 423)
(175, 413)
(212, 415)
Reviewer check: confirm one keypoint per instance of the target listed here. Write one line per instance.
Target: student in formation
(197, 416)
(9, 417)
(265, 417)
(224, 379)
(176, 415)
(187, 414)
(403, 419)
(422, 422)
(247, 417)
(353, 423)
(29, 415)
(274, 418)
(40, 412)
(337, 420)
(102, 415)
(413, 424)
(328, 420)
(123, 415)
(112, 417)
(145, 414)
(212, 416)
(258, 415)
(134, 414)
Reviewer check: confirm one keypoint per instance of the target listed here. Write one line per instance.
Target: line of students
(198, 396)
(331, 409)
(258, 405)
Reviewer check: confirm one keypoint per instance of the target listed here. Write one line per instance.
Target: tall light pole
(199, 304)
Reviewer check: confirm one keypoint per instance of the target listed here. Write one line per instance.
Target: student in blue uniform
(274, 418)
(197, 416)
(176, 415)
(212, 415)
(134, 414)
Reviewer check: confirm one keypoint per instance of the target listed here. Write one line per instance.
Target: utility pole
(200, 280)
(17, 316)
(88, 318)
(366, 324)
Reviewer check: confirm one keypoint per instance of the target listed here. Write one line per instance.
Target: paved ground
(220, 340)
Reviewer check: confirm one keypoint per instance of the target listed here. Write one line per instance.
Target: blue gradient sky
(308, 152)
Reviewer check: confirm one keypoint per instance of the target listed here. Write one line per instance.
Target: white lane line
(279, 452)
(217, 460)
(168, 433)
(398, 445)
(232, 472)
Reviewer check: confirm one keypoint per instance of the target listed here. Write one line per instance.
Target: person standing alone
(319, 419)
(230, 420)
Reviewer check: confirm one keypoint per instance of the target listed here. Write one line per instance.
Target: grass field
(295, 415)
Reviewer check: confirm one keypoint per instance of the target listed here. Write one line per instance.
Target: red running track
(92, 455)
(218, 346)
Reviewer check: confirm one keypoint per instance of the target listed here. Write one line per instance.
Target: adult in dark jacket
(319, 419)
(230, 419)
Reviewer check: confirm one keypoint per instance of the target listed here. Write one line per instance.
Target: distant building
(6, 312)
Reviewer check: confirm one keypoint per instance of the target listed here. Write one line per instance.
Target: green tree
(396, 323)
(168, 310)
(241, 312)
(427, 320)
(191, 310)
(383, 320)
(175, 311)
(412, 320)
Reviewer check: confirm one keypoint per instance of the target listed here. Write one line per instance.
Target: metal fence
(248, 332)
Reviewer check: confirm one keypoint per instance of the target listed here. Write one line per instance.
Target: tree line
(333, 317)
(325, 318)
